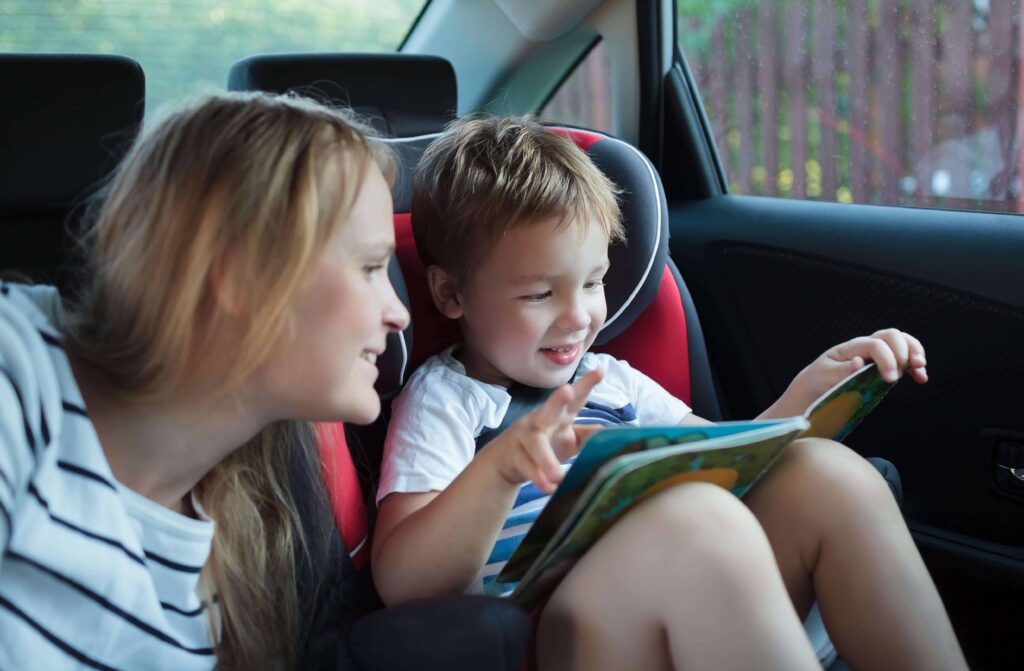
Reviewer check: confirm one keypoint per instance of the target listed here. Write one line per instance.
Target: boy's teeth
(370, 356)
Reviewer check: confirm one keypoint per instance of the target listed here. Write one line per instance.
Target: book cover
(618, 467)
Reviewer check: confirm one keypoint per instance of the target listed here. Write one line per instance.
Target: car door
(775, 113)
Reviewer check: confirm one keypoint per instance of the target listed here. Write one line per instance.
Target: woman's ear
(444, 291)
(224, 281)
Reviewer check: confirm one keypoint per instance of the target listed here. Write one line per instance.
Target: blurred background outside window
(187, 46)
(898, 102)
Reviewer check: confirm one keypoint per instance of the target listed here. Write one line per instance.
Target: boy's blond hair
(483, 177)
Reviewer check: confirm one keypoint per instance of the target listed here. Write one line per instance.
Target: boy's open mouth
(562, 355)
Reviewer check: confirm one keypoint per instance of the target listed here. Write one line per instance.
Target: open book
(618, 467)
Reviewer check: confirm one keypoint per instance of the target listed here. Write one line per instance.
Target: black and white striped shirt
(92, 574)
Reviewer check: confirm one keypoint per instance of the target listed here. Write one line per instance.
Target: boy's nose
(574, 317)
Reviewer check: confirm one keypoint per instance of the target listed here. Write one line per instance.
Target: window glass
(584, 98)
(188, 46)
(909, 102)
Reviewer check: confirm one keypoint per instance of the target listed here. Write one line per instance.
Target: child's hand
(534, 447)
(892, 350)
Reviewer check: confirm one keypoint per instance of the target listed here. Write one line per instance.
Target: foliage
(186, 46)
(699, 18)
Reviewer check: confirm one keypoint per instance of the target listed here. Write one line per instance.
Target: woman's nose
(396, 316)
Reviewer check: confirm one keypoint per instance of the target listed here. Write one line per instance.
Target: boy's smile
(535, 304)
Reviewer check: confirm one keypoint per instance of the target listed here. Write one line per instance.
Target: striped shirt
(92, 574)
(441, 411)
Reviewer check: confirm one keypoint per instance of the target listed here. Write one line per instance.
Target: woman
(239, 284)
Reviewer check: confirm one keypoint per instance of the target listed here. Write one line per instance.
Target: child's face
(327, 369)
(535, 305)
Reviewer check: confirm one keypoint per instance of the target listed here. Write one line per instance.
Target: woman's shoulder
(33, 365)
(31, 310)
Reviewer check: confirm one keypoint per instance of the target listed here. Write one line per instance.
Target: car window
(585, 97)
(909, 102)
(188, 46)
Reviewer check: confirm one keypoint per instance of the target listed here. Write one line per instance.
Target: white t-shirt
(440, 413)
(92, 574)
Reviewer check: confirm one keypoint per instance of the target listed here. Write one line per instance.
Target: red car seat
(652, 322)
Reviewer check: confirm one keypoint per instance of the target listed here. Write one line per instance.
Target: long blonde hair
(236, 192)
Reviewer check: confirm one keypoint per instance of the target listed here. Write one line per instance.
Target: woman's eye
(373, 269)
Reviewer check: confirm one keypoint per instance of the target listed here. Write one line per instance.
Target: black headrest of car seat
(68, 121)
(638, 265)
(402, 95)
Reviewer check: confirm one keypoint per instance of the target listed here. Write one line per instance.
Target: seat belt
(524, 401)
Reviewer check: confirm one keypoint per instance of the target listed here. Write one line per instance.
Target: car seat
(652, 322)
(69, 121)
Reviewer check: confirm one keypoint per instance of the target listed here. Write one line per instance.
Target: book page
(843, 406)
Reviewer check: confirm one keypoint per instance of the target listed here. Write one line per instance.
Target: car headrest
(68, 121)
(637, 267)
(402, 95)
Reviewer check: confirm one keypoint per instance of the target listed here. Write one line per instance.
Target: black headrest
(637, 266)
(67, 122)
(401, 94)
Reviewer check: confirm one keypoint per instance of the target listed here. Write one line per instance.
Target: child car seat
(652, 322)
(74, 119)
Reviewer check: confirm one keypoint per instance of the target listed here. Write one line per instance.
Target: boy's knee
(832, 467)
(696, 520)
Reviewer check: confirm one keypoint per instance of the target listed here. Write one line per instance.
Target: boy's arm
(890, 349)
(435, 543)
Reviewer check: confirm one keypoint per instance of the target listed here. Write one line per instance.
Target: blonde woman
(239, 283)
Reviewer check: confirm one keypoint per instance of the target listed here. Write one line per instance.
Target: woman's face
(326, 370)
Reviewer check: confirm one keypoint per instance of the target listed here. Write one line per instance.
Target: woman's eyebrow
(379, 249)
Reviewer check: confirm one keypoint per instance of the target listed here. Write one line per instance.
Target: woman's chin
(365, 411)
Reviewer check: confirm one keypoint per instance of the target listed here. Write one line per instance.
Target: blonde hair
(485, 176)
(235, 193)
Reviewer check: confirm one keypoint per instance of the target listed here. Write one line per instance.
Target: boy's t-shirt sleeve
(653, 404)
(430, 437)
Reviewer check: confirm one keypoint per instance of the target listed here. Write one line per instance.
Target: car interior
(719, 296)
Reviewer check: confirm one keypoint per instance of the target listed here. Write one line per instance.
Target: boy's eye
(594, 284)
(373, 268)
(534, 298)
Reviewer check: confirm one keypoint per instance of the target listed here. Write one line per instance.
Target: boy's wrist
(494, 462)
(794, 401)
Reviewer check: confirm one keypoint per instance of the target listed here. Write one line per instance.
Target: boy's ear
(444, 291)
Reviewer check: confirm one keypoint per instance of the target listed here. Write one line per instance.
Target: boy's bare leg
(838, 534)
(685, 580)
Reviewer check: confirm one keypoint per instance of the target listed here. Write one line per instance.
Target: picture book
(618, 467)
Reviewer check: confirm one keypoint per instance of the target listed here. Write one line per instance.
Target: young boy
(514, 224)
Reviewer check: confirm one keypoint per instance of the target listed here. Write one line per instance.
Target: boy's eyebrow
(542, 277)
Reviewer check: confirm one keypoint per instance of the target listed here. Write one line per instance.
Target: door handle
(1008, 458)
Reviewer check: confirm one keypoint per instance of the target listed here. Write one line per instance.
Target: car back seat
(69, 120)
